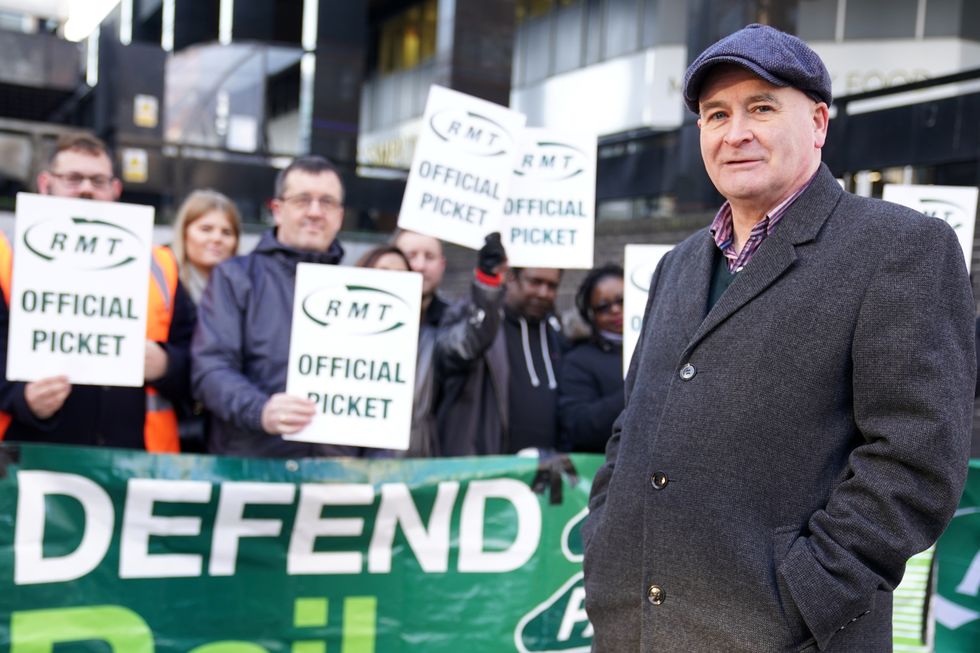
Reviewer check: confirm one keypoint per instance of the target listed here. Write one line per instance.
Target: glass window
(527, 9)
(614, 210)
(880, 19)
(520, 56)
(664, 23)
(970, 23)
(593, 31)
(817, 20)
(409, 38)
(622, 27)
(943, 17)
(568, 37)
(537, 49)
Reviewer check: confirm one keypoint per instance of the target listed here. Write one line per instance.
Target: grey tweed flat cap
(777, 57)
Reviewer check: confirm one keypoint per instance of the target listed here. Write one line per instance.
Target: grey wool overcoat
(783, 454)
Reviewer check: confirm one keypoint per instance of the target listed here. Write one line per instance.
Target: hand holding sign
(492, 257)
(285, 414)
(45, 397)
(154, 361)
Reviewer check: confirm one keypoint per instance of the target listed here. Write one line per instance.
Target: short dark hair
(82, 141)
(310, 164)
(370, 258)
(583, 297)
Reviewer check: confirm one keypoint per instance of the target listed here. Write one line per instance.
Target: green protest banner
(104, 550)
(957, 604)
(125, 552)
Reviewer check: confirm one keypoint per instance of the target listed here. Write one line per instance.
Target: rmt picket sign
(79, 294)
(462, 166)
(352, 353)
(549, 215)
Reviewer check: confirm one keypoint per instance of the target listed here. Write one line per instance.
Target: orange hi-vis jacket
(160, 432)
(6, 267)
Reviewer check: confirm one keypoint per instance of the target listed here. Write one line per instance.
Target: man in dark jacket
(798, 412)
(425, 256)
(241, 345)
(500, 388)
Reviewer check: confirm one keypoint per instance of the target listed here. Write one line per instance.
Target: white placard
(549, 215)
(352, 351)
(462, 168)
(640, 263)
(78, 301)
(957, 205)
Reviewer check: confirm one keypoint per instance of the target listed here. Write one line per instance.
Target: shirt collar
(722, 228)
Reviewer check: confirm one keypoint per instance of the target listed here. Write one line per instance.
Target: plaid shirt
(723, 231)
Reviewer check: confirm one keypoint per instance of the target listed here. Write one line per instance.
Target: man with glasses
(52, 409)
(241, 345)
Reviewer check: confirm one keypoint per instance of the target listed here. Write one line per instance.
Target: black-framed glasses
(605, 307)
(304, 202)
(76, 179)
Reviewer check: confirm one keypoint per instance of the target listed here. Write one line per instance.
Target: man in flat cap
(799, 407)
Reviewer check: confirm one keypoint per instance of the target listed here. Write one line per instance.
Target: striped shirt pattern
(723, 231)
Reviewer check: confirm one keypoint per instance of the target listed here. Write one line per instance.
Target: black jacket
(590, 394)
(479, 411)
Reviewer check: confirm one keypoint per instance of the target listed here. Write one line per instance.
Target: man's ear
(276, 207)
(821, 121)
(43, 182)
(116, 186)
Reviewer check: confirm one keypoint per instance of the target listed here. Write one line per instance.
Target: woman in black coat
(590, 392)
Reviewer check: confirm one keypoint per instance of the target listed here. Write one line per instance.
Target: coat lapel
(696, 284)
(776, 255)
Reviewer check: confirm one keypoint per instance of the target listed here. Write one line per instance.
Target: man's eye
(763, 108)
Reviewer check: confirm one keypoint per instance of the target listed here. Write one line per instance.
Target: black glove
(491, 255)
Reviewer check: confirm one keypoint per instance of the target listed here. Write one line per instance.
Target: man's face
(424, 253)
(532, 291)
(79, 173)
(310, 212)
(759, 142)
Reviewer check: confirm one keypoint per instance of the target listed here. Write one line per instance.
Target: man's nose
(86, 187)
(738, 130)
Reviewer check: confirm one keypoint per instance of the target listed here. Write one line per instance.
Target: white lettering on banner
(139, 524)
(574, 614)
(230, 524)
(430, 542)
(431, 545)
(30, 565)
(472, 555)
(302, 559)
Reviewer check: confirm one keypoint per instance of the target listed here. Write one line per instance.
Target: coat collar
(777, 254)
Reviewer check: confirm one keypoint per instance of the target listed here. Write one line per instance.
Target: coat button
(656, 594)
(658, 480)
(688, 372)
